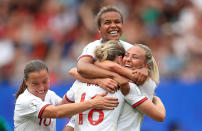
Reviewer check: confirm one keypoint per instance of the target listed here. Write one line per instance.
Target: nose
(113, 24)
(128, 59)
(41, 87)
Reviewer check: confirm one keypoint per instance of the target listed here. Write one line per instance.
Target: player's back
(96, 119)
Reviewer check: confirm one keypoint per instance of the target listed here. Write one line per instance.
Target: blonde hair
(109, 50)
(106, 9)
(149, 59)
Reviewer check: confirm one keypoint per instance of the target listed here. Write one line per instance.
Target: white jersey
(90, 48)
(29, 109)
(110, 117)
(93, 119)
(131, 119)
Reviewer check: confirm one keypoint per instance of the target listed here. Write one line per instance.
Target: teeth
(128, 66)
(40, 92)
(113, 32)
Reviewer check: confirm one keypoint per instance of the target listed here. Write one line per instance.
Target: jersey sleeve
(88, 50)
(30, 108)
(135, 97)
(71, 122)
(70, 95)
(55, 99)
(126, 45)
(148, 88)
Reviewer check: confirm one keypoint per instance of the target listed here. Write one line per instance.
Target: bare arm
(154, 109)
(87, 69)
(68, 110)
(112, 66)
(136, 75)
(106, 83)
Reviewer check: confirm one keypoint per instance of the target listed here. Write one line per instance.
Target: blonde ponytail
(154, 71)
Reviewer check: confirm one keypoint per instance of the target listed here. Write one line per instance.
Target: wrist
(89, 103)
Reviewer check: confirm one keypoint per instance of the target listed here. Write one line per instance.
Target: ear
(25, 81)
(120, 60)
(98, 29)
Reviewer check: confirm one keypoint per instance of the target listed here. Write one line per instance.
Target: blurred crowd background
(57, 30)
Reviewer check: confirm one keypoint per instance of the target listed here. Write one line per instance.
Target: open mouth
(41, 92)
(114, 32)
(128, 66)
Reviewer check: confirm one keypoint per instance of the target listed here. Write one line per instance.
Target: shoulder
(133, 85)
(150, 82)
(26, 99)
(124, 42)
(78, 83)
(134, 88)
(126, 45)
(51, 93)
(94, 43)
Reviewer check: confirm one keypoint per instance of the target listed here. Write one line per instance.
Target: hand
(106, 103)
(140, 75)
(155, 99)
(120, 79)
(108, 84)
(125, 89)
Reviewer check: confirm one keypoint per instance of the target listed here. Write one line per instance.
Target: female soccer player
(136, 56)
(35, 103)
(110, 26)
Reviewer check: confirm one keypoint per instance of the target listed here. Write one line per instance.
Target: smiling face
(110, 26)
(134, 57)
(38, 83)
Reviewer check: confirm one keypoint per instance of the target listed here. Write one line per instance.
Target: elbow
(112, 67)
(72, 71)
(80, 70)
(161, 118)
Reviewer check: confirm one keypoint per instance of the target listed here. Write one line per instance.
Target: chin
(115, 38)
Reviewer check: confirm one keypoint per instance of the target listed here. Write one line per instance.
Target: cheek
(47, 86)
(124, 60)
(120, 28)
(136, 63)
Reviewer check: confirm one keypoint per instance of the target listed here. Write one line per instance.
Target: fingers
(139, 78)
(110, 89)
(110, 105)
(135, 77)
(111, 86)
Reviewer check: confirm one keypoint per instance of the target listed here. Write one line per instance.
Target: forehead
(136, 50)
(38, 75)
(110, 15)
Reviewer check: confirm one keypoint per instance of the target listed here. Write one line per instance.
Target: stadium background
(57, 30)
